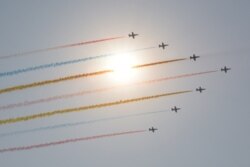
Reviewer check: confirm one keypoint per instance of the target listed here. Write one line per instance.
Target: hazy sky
(212, 129)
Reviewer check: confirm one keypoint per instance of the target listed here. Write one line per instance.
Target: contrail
(83, 75)
(59, 47)
(84, 108)
(63, 63)
(72, 140)
(84, 92)
(80, 123)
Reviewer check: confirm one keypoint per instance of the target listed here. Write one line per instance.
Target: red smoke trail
(60, 47)
(178, 76)
(84, 92)
(74, 140)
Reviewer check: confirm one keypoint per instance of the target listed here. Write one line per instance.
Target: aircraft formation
(131, 35)
(194, 57)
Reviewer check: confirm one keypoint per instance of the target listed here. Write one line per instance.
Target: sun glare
(122, 65)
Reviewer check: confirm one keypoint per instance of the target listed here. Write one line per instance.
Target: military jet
(175, 109)
(152, 129)
(200, 89)
(194, 57)
(225, 69)
(132, 35)
(163, 45)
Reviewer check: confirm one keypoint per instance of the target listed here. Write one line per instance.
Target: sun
(122, 66)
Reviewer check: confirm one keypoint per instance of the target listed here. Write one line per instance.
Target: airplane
(194, 57)
(175, 109)
(225, 69)
(152, 129)
(163, 45)
(200, 89)
(132, 35)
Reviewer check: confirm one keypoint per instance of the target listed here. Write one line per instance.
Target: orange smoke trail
(158, 63)
(81, 93)
(84, 75)
(73, 140)
(59, 47)
(83, 108)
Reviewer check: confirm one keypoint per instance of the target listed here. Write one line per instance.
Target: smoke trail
(178, 76)
(46, 82)
(81, 93)
(59, 47)
(63, 63)
(83, 75)
(83, 108)
(158, 63)
(73, 140)
(65, 125)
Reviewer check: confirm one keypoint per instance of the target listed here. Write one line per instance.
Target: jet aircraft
(225, 69)
(152, 129)
(163, 45)
(194, 57)
(175, 109)
(200, 89)
(132, 35)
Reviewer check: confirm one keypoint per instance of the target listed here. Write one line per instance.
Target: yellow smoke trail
(84, 92)
(36, 84)
(72, 77)
(82, 108)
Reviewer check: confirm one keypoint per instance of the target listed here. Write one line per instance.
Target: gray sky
(212, 129)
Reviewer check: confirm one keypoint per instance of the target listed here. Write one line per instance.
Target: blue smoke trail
(78, 123)
(63, 63)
